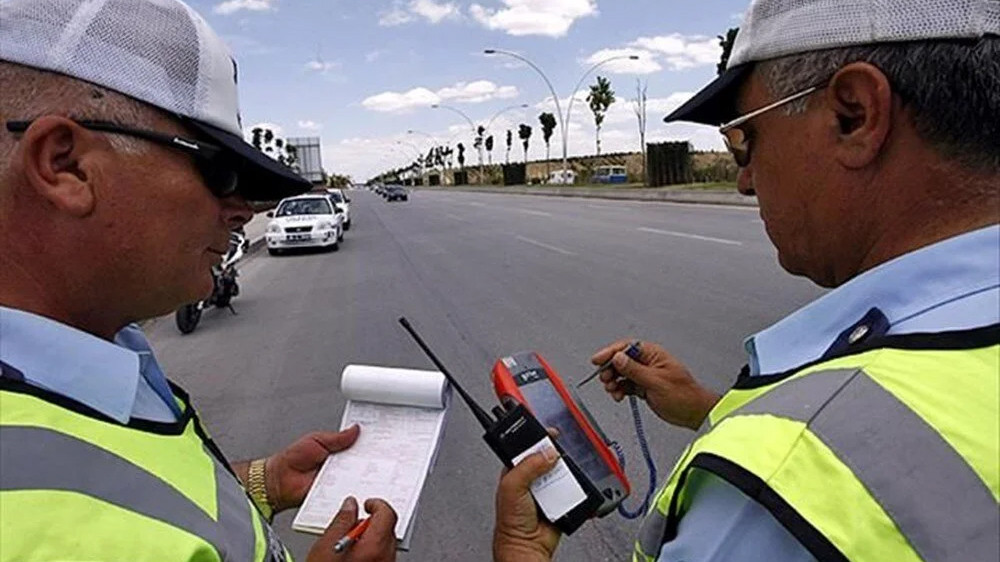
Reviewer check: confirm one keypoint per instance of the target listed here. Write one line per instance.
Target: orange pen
(352, 536)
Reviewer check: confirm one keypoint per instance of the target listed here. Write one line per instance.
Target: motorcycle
(225, 286)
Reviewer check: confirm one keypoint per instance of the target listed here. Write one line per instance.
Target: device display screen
(551, 411)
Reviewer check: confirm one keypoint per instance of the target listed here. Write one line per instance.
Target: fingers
(379, 540)
(518, 480)
(346, 518)
(334, 441)
(605, 353)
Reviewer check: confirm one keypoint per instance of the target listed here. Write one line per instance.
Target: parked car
(609, 174)
(310, 220)
(562, 177)
(343, 202)
(396, 193)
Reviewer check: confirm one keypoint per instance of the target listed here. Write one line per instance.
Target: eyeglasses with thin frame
(219, 171)
(738, 141)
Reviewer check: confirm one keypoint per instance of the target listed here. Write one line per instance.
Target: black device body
(514, 431)
(517, 430)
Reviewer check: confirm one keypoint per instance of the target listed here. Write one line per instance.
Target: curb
(640, 194)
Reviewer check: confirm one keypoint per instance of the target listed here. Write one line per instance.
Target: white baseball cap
(157, 51)
(777, 28)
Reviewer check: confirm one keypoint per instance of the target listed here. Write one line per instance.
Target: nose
(744, 182)
(236, 211)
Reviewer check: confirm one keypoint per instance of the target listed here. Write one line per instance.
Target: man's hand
(519, 535)
(666, 385)
(377, 544)
(291, 472)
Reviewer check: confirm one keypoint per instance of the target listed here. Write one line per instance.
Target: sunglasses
(218, 169)
(738, 140)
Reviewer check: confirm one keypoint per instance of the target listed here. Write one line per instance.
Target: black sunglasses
(218, 169)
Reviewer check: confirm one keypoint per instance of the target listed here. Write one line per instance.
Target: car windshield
(314, 206)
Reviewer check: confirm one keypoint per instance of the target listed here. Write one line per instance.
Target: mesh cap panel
(774, 28)
(157, 51)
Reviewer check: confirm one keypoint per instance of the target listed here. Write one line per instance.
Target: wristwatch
(257, 486)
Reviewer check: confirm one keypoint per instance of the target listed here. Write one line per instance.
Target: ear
(54, 150)
(860, 96)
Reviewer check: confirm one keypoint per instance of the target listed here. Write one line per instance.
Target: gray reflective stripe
(654, 527)
(41, 459)
(932, 494)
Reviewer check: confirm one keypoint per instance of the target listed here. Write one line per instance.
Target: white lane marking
(456, 217)
(545, 246)
(692, 236)
(533, 212)
(475, 204)
(603, 207)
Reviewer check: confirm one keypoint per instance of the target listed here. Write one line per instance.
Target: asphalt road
(481, 276)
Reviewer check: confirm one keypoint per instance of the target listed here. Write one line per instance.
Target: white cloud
(321, 66)
(681, 52)
(476, 92)
(232, 6)
(463, 92)
(373, 56)
(551, 18)
(434, 12)
(646, 64)
(395, 16)
(392, 102)
(308, 125)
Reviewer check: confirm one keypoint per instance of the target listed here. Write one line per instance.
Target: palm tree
(461, 155)
(727, 47)
(600, 99)
(489, 148)
(524, 133)
(548, 122)
(510, 140)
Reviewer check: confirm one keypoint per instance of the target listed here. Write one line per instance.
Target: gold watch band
(257, 486)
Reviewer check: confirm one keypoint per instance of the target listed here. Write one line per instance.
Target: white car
(341, 200)
(305, 221)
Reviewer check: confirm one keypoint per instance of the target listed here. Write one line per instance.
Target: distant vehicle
(609, 174)
(562, 177)
(343, 202)
(310, 220)
(396, 193)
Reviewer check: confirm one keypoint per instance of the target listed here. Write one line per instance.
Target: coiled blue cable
(640, 434)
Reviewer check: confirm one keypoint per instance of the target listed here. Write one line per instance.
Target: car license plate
(298, 237)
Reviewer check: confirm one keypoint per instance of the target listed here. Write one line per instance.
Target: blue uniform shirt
(951, 285)
(119, 379)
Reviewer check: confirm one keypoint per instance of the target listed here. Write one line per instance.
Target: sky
(360, 74)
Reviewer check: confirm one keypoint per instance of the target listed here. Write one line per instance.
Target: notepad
(401, 413)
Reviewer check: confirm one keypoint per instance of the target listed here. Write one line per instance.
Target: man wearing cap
(122, 171)
(866, 425)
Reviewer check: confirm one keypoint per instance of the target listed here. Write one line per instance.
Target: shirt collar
(70, 362)
(900, 289)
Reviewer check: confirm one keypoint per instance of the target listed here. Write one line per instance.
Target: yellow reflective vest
(75, 485)
(891, 453)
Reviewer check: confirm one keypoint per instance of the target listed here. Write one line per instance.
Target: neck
(944, 205)
(52, 296)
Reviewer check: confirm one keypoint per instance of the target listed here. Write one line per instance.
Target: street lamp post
(563, 119)
(420, 155)
(475, 132)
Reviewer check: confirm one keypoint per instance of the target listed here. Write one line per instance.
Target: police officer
(122, 171)
(865, 426)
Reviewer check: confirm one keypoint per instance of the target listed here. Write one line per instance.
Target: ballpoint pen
(632, 351)
(352, 536)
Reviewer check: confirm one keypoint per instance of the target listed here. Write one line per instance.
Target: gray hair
(28, 93)
(952, 89)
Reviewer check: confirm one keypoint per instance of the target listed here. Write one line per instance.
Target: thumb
(632, 370)
(520, 478)
(334, 441)
(346, 518)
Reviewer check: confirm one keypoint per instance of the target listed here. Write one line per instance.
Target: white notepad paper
(401, 413)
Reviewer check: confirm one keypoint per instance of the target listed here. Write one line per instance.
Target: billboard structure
(310, 160)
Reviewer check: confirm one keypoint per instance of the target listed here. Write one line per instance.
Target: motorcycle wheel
(187, 318)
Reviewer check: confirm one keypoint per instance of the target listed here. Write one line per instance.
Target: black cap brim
(715, 104)
(262, 178)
